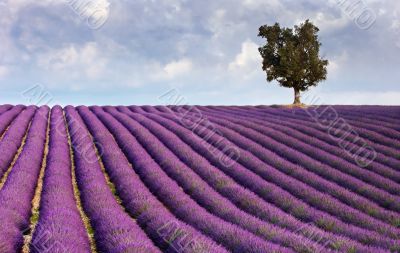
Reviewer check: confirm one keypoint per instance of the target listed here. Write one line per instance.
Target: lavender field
(199, 179)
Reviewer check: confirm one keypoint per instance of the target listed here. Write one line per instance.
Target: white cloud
(59, 59)
(177, 68)
(336, 63)
(94, 12)
(74, 61)
(3, 71)
(95, 64)
(173, 42)
(247, 61)
(217, 23)
(328, 22)
(254, 4)
(88, 7)
(16, 5)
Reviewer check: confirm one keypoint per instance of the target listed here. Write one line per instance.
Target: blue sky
(133, 52)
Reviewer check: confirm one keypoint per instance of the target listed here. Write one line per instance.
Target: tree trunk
(296, 97)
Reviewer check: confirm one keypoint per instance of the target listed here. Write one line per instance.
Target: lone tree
(291, 56)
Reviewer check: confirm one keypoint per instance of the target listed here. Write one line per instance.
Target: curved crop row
(321, 141)
(4, 108)
(379, 196)
(387, 113)
(249, 160)
(353, 120)
(151, 215)
(332, 167)
(60, 224)
(309, 128)
(374, 133)
(207, 179)
(12, 139)
(327, 159)
(374, 139)
(7, 117)
(334, 130)
(254, 142)
(167, 190)
(19, 189)
(115, 230)
(380, 128)
(273, 192)
(153, 138)
(231, 190)
(361, 117)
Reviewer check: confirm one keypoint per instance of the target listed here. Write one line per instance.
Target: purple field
(199, 179)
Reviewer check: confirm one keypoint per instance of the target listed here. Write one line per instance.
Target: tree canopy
(291, 56)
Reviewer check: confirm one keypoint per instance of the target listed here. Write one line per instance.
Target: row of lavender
(294, 188)
(59, 222)
(233, 192)
(60, 227)
(152, 172)
(19, 189)
(395, 232)
(177, 197)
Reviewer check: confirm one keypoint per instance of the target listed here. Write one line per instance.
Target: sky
(123, 52)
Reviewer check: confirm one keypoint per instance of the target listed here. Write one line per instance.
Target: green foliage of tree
(291, 56)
